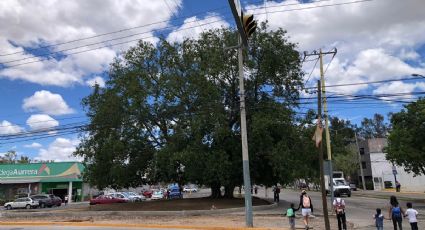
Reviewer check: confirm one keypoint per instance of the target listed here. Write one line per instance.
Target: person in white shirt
(411, 215)
(339, 207)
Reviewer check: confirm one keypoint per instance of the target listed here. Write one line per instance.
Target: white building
(382, 170)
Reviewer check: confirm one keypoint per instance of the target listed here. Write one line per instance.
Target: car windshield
(132, 194)
(339, 182)
(157, 193)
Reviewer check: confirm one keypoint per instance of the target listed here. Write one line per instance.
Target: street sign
(394, 170)
(235, 6)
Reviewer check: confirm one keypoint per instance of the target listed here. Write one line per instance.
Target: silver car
(24, 202)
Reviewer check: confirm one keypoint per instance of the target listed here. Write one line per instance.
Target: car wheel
(349, 195)
(42, 205)
(28, 206)
(9, 207)
(59, 204)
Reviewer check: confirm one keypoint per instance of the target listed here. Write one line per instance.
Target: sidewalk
(405, 196)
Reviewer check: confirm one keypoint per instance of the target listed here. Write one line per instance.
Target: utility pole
(325, 108)
(245, 157)
(360, 162)
(322, 173)
(246, 26)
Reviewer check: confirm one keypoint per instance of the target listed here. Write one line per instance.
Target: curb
(129, 225)
(129, 214)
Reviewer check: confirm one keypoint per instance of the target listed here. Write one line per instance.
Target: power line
(132, 35)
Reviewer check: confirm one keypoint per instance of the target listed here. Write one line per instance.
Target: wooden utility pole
(322, 173)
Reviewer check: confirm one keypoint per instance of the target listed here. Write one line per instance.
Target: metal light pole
(243, 42)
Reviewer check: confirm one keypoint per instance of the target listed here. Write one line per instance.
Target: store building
(59, 178)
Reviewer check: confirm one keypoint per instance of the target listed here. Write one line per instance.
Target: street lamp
(417, 75)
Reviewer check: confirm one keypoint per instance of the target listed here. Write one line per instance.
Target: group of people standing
(396, 213)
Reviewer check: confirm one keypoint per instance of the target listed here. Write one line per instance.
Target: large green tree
(406, 142)
(170, 112)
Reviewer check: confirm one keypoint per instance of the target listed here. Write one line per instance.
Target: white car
(187, 189)
(134, 196)
(24, 202)
(157, 195)
(121, 196)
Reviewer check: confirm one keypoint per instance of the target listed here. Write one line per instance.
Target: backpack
(290, 212)
(339, 206)
(306, 202)
(396, 211)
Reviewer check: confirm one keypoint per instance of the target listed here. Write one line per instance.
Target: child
(379, 219)
(411, 215)
(290, 213)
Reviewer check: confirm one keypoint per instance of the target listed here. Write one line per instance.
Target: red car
(104, 199)
(147, 194)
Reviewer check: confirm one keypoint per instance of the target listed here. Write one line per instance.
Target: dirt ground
(204, 203)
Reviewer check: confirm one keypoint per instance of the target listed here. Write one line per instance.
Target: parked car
(134, 196)
(106, 199)
(353, 187)
(157, 195)
(147, 194)
(25, 202)
(175, 193)
(121, 195)
(57, 201)
(188, 189)
(44, 200)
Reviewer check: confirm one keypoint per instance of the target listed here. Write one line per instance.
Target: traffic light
(249, 25)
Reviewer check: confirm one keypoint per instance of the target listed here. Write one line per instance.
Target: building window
(361, 151)
(363, 164)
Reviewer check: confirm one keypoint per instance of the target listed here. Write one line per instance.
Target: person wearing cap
(306, 207)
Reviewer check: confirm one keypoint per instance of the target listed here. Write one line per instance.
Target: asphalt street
(59, 227)
(359, 210)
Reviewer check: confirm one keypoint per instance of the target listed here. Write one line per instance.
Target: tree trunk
(215, 191)
(228, 191)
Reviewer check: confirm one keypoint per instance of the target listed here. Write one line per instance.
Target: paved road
(359, 209)
(69, 228)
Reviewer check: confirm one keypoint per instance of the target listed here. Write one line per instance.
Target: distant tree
(23, 160)
(10, 157)
(406, 142)
(347, 162)
(374, 127)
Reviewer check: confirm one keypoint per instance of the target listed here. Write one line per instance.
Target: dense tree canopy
(170, 112)
(406, 142)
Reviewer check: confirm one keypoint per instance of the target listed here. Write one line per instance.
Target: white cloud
(34, 145)
(61, 149)
(41, 121)
(399, 87)
(374, 39)
(26, 24)
(8, 128)
(199, 25)
(46, 102)
(96, 80)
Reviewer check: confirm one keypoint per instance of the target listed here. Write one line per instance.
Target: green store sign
(71, 170)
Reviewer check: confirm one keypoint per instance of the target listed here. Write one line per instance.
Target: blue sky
(376, 40)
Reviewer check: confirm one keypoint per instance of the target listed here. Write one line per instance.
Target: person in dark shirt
(306, 207)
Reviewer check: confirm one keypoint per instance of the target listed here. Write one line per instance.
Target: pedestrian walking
(396, 213)
(66, 200)
(379, 219)
(397, 186)
(411, 214)
(306, 207)
(276, 192)
(290, 213)
(339, 207)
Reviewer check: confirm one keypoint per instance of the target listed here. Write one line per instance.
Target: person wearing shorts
(306, 207)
